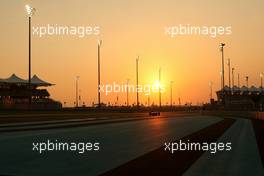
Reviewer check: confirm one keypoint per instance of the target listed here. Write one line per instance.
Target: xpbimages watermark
(187, 29)
(212, 147)
(147, 89)
(63, 30)
(55, 145)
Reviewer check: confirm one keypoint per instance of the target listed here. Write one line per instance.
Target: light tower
(221, 79)
(159, 87)
(77, 90)
(127, 89)
(30, 11)
(238, 80)
(99, 44)
(171, 93)
(261, 80)
(137, 59)
(247, 81)
(229, 73)
(223, 68)
(233, 69)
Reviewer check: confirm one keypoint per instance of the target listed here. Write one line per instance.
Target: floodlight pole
(159, 88)
(238, 80)
(77, 101)
(99, 72)
(223, 68)
(127, 88)
(247, 81)
(261, 80)
(30, 12)
(137, 80)
(229, 74)
(233, 69)
(221, 79)
(29, 59)
(171, 93)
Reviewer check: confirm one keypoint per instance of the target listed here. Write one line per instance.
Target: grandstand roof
(35, 80)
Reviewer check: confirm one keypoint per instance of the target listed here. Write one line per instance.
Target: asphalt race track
(126, 141)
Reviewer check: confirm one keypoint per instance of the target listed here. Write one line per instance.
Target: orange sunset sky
(128, 29)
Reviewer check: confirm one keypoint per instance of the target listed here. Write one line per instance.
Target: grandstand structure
(15, 93)
(241, 98)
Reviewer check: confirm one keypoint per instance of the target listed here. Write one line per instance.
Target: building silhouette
(14, 93)
(243, 98)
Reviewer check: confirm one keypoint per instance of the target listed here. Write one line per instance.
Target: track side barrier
(243, 114)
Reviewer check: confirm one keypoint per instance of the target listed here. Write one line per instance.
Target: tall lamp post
(223, 68)
(127, 89)
(137, 59)
(247, 81)
(229, 73)
(221, 77)
(233, 69)
(171, 93)
(261, 80)
(30, 11)
(159, 88)
(76, 91)
(238, 80)
(99, 44)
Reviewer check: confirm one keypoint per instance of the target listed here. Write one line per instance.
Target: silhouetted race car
(154, 113)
